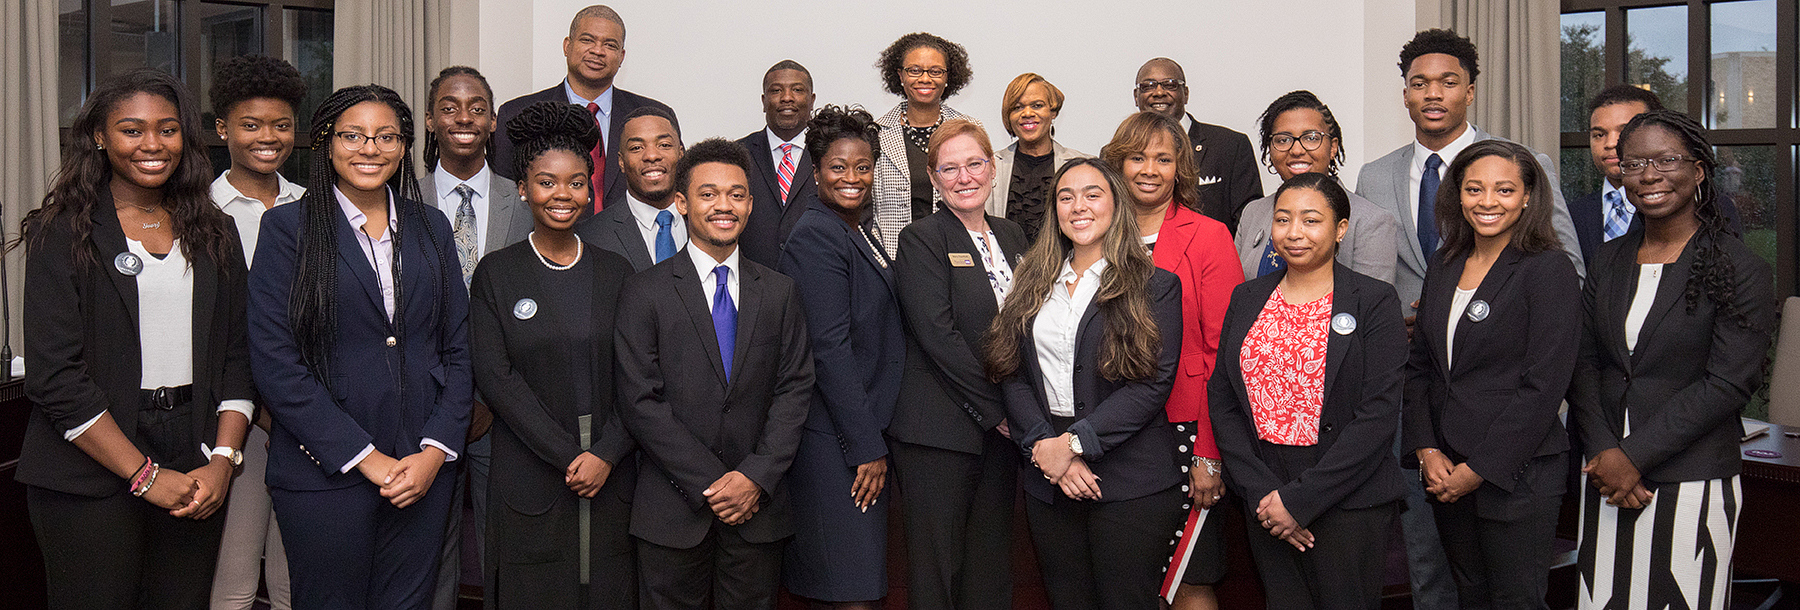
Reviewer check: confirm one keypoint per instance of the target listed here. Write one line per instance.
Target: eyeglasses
(977, 168)
(1662, 164)
(915, 71)
(1171, 84)
(353, 142)
(1310, 141)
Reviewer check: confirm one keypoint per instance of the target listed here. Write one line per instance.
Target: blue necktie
(1618, 216)
(724, 313)
(1428, 188)
(665, 241)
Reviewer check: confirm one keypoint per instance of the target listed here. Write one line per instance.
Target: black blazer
(1227, 166)
(945, 399)
(1125, 437)
(615, 230)
(1364, 373)
(771, 218)
(622, 104)
(1496, 408)
(853, 321)
(1588, 212)
(1692, 370)
(691, 424)
(82, 351)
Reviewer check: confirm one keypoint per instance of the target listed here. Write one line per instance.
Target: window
(187, 38)
(1731, 64)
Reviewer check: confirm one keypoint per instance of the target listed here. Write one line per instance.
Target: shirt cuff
(241, 406)
(449, 456)
(77, 430)
(359, 458)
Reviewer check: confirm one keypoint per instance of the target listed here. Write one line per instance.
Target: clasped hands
(1617, 478)
(1274, 516)
(1064, 469)
(195, 494)
(1443, 480)
(405, 480)
(734, 498)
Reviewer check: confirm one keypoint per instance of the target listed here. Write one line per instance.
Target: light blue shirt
(604, 117)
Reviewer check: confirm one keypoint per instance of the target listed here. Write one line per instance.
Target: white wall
(706, 58)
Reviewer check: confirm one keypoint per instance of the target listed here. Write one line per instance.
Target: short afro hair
(644, 111)
(248, 77)
(1624, 94)
(833, 123)
(956, 61)
(1448, 42)
(710, 150)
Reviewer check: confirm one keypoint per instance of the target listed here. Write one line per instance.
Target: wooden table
(1768, 536)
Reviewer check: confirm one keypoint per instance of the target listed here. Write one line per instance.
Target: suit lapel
(879, 262)
(1409, 227)
(1616, 300)
(109, 238)
(750, 297)
(693, 298)
(1342, 301)
(803, 171)
(1490, 287)
(350, 249)
(624, 228)
(505, 210)
(1435, 308)
(1670, 291)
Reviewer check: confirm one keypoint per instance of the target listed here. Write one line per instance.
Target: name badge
(128, 263)
(525, 309)
(1479, 311)
(961, 259)
(1343, 323)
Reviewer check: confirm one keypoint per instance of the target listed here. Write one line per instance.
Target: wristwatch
(1075, 444)
(231, 454)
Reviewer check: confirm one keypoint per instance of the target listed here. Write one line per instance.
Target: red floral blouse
(1284, 369)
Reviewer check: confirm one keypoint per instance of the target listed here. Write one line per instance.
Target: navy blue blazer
(319, 427)
(623, 103)
(1125, 437)
(1364, 372)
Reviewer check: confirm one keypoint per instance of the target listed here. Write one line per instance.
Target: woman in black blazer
(541, 332)
(1085, 352)
(134, 355)
(1678, 320)
(1304, 397)
(1491, 358)
(957, 472)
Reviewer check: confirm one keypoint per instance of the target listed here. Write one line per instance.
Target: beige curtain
(28, 126)
(1516, 94)
(399, 44)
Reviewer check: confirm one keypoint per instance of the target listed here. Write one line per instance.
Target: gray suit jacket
(1385, 181)
(1003, 163)
(615, 230)
(509, 220)
(1369, 246)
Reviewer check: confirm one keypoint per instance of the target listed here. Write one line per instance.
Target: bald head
(1161, 88)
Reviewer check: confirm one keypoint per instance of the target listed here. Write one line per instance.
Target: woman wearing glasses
(1299, 135)
(1679, 314)
(1022, 171)
(923, 70)
(360, 349)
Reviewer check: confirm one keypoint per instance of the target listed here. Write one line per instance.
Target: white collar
(1068, 270)
(1606, 186)
(704, 263)
(646, 213)
(775, 141)
(1449, 152)
(446, 182)
(224, 193)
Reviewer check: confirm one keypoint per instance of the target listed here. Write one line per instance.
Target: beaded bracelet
(151, 480)
(143, 472)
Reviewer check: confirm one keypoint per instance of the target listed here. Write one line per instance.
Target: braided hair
(547, 126)
(1298, 100)
(313, 301)
(431, 143)
(1713, 269)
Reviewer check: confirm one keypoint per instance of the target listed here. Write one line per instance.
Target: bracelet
(140, 491)
(1213, 467)
(143, 472)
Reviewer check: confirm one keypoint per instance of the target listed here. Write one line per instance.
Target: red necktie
(598, 181)
(785, 174)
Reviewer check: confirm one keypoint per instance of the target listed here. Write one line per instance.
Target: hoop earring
(1271, 170)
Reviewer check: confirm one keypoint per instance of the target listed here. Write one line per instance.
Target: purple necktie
(724, 313)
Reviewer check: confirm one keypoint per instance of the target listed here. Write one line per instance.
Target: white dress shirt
(1459, 305)
(1053, 333)
(247, 212)
(1416, 173)
(448, 200)
(704, 264)
(645, 214)
(775, 155)
(604, 117)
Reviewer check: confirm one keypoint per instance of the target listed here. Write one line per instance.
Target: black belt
(165, 398)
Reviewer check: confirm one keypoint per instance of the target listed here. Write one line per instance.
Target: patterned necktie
(724, 313)
(786, 173)
(1618, 216)
(665, 240)
(1428, 188)
(597, 182)
(467, 237)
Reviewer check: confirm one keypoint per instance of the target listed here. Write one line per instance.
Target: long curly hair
(1713, 270)
(550, 125)
(86, 172)
(1135, 134)
(1132, 343)
(956, 62)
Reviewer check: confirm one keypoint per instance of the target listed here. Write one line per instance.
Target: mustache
(723, 215)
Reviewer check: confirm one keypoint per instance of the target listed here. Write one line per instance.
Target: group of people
(683, 376)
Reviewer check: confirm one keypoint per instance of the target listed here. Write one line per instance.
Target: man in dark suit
(1227, 164)
(1604, 215)
(594, 51)
(644, 229)
(781, 173)
(715, 380)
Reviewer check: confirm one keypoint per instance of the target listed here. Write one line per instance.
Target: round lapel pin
(525, 309)
(128, 263)
(1343, 323)
(1479, 311)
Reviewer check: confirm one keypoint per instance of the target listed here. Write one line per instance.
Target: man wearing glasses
(1226, 165)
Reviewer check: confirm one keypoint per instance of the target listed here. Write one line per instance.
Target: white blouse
(1649, 277)
(1053, 333)
(1459, 305)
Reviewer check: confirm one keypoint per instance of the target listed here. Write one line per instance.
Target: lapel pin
(128, 263)
(1343, 323)
(1479, 310)
(525, 309)
(1259, 238)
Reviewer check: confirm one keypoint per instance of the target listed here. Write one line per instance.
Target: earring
(99, 146)
(1272, 171)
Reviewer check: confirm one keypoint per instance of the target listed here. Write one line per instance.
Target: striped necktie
(786, 174)
(1618, 216)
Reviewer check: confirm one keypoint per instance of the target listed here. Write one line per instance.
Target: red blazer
(1198, 250)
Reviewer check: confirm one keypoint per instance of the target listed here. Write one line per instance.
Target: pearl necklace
(532, 237)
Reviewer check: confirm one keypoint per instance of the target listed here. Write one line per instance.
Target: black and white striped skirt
(1673, 553)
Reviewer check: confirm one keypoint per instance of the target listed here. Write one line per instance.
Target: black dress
(543, 355)
(1029, 192)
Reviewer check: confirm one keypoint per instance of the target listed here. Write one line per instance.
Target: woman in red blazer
(1153, 153)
